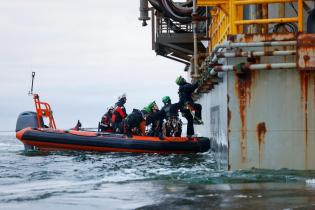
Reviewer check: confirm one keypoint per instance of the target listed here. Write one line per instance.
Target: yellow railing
(227, 17)
(219, 27)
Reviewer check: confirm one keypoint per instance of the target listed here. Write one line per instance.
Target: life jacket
(119, 114)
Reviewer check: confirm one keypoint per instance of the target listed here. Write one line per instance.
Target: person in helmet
(190, 110)
(172, 125)
(134, 123)
(119, 114)
(106, 121)
(154, 119)
(78, 126)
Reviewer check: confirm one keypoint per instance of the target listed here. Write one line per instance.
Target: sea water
(81, 180)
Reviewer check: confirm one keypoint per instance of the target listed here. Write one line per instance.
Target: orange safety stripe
(82, 133)
(20, 133)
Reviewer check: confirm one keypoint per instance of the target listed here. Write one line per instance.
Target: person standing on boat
(106, 124)
(154, 119)
(119, 114)
(173, 125)
(190, 110)
(77, 127)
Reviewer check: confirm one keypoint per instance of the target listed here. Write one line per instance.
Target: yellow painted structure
(227, 17)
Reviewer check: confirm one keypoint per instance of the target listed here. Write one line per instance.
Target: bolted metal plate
(305, 52)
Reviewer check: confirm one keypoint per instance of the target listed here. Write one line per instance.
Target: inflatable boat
(53, 139)
(34, 134)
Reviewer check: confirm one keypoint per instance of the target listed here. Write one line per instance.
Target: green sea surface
(80, 180)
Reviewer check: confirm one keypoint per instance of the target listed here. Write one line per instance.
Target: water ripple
(32, 176)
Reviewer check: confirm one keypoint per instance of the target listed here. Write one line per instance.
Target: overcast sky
(85, 54)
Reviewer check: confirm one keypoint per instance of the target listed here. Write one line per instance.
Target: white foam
(240, 196)
(310, 181)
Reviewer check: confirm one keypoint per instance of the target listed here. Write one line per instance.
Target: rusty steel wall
(266, 116)
(272, 119)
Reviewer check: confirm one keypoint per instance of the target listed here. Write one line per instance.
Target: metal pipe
(153, 28)
(281, 12)
(207, 25)
(253, 16)
(259, 17)
(263, 21)
(168, 11)
(246, 66)
(257, 44)
(144, 12)
(250, 44)
(300, 15)
(264, 28)
(254, 54)
(195, 40)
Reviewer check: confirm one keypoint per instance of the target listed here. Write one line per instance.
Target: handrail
(233, 10)
(243, 2)
(43, 112)
(261, 21)
(219, 28)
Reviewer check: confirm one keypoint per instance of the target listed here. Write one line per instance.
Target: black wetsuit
(171, 110)
(133, 122)
(156, 119)
(185, 92)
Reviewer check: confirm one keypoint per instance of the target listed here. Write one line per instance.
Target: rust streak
(306, 52)
(262, 37)
(229, 121)
(261, 132)
(304, 83)
(268, 37)
(269, 53)
(268, 67)
(306, 59)
(243, 92)
(229, 128)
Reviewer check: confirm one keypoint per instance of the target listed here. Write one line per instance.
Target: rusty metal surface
(266, 117)
(306, 52)
(273, 123)
(272, 117)
(262, 37)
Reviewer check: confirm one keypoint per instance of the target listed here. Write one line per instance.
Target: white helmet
(110, 108)
(122, 96)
